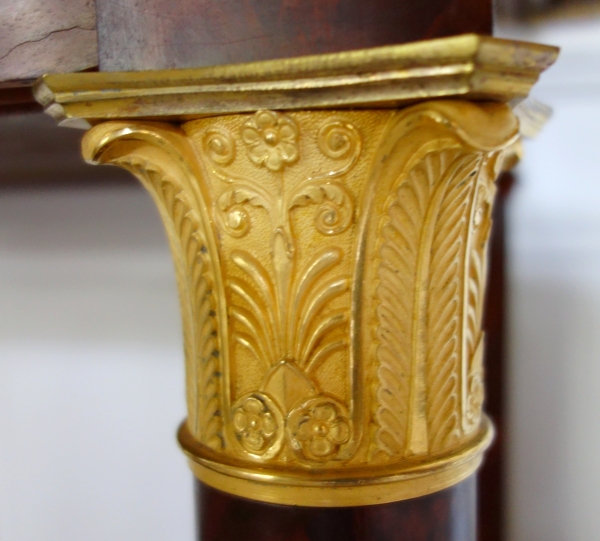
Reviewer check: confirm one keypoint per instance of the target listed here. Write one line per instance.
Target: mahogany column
(324, 208)
(491, 489)
(187, 34)
(448, 515)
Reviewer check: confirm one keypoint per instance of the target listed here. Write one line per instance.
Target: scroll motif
(271, 140)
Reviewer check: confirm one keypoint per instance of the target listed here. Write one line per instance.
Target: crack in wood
(46, 36)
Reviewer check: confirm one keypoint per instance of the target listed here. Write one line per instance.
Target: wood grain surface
(156, 34)
(444, 516)
(42, 36)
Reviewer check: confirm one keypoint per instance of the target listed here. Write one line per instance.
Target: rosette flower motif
(257, 423)
(319, 428)
(271, 139)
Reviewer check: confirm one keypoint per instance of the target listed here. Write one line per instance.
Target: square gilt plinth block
(328, 218)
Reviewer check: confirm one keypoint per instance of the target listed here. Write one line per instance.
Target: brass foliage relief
(196, 269)
(331, 269)
(430, 280)
(419, 274)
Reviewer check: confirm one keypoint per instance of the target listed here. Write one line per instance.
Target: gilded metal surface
(323, 488)
(331, 268)
(469, 67)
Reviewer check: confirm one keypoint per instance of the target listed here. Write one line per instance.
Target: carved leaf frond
(210, 411)
(322, 353)
(327, 325)
(305, 282)
(256, 336)
(476, 283)
(317, 299)
(248, 342)
(399, 251)
(473, 343)
(257, 306)
(255, 270)
(194, 271)
(444, 306)
(163, 160)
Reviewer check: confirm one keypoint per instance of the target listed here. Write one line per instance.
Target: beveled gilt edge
(468, 66)
(358, 487)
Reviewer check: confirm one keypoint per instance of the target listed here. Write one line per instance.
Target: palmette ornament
(331, 267)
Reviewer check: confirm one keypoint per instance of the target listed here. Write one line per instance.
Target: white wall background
(554, 383)
(91, 371)
(91, 376)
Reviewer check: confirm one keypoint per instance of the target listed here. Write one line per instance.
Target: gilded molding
(469, 67)
(331, 268)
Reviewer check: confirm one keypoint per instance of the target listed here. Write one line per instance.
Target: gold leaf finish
(331, 268)
(469, 67)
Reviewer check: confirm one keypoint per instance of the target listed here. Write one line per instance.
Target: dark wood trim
(193, 33)
(491, 491)
(18, 100)
(448, 515)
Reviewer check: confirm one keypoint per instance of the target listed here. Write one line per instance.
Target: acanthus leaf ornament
(161, 158)
(331, 293)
